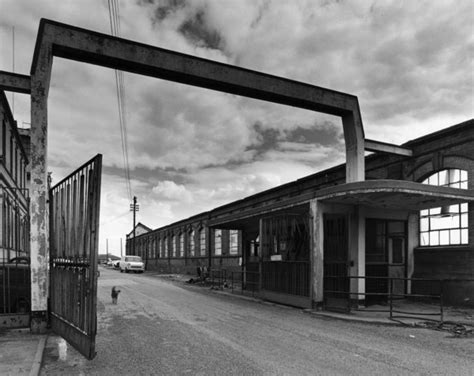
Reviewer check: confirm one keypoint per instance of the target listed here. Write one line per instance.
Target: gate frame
(78, 326)
(62, 40)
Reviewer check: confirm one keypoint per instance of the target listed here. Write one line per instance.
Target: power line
(13, 67)
(114, 18)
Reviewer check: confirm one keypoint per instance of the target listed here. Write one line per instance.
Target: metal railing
(14, 288)
(288, 277)
(218, 277)
(395, 295)
(244, 282)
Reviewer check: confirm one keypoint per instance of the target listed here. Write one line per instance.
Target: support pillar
(39, 218)
(357, 255)
(354, 139)
(209, 232)
(260, 253)
(412, 243)
(317, 253)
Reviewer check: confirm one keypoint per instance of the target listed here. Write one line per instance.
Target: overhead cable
(114, 18)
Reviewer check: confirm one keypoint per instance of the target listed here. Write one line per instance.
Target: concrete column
(357, 254)
(260, 253)
(209, 245)
(412, 242)
(39, 233)
(354, 139)
(317, 252)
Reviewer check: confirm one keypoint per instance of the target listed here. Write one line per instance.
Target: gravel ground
(160, 327)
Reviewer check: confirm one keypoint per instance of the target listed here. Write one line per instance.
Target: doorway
(385, 258)
(336, 263)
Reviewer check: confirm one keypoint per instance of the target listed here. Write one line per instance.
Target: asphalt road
(160, 327)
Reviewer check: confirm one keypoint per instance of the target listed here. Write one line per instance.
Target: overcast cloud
(409, 62)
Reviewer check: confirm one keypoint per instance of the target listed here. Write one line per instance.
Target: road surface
(160, 327)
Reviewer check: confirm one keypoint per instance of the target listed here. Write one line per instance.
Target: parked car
(116, 264)
(132, 264)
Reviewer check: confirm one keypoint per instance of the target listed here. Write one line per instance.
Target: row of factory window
(14, 225)
(12, 155)
(187, 244)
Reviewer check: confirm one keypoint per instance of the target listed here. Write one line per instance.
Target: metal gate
(285, 267)
(74, 235)
(336, 281)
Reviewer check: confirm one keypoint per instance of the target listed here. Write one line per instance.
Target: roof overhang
(382, 194)
(249, 218)
(394, 195)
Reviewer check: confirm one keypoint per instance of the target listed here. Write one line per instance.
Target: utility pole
(134, 207)
(121, 252)
(107, 248)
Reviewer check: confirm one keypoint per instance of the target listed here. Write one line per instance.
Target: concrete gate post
(39, 219)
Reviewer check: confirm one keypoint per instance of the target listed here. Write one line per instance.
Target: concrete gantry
(62, 40)
(18, 83)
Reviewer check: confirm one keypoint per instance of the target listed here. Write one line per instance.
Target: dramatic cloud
(190, 149)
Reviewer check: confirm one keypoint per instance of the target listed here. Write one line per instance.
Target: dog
(115, 294)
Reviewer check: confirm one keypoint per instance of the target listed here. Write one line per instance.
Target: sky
(410, 63)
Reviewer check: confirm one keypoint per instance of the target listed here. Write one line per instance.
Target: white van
(131, 263)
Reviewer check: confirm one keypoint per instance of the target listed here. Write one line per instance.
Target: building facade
(408, 228)
(14, 239)
(15, 296)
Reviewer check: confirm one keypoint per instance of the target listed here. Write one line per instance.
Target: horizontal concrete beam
(394, 194)
(91, 47)
(383, 147)
(18, 83)
(88, 46)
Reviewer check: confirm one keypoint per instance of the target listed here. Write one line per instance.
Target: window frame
(233, 246)
(202, 242)
(437, 229)
(218, 240)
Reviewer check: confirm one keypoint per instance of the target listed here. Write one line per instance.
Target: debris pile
(458, 330)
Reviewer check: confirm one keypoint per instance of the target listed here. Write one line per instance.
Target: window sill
(461, 247)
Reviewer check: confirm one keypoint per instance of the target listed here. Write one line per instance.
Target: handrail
(392, 295)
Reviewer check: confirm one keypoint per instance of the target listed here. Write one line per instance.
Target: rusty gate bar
(74, 224)
(288, 277)
(15, 290)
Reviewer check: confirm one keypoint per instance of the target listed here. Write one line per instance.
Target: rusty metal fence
(287, 277)
(218, 277)
(245, 282)
(394, 300)
(74, 223)
(291, 278)
(15, 288)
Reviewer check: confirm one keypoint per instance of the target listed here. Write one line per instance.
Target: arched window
(202, 241)
(191, 243)
(233, 242)
(218, 242)
(447, 225)
(174, 246)
(181, 244)
(165, 246)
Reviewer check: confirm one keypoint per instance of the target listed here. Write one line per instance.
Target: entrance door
(336, 263)
(74, 235)
(385, 259)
